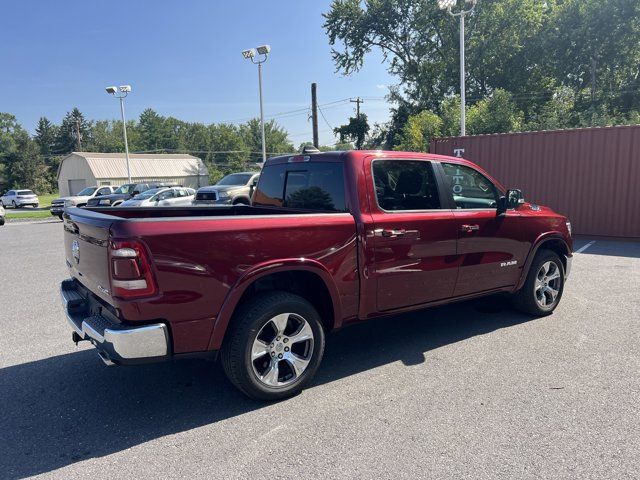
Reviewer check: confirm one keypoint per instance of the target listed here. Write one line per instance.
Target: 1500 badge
(509, 264)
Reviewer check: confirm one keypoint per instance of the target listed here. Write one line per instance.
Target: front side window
(104, 191)
(470, 189)
(87, 191)
(405, 185)
(309, 186)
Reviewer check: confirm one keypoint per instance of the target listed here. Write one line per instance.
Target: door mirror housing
(511, 200)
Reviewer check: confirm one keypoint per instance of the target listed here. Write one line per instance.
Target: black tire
(526, 299)
(1, 204)
(241, 201)
(247, 323)
(1, 221)
(13, 202)
(60, 217)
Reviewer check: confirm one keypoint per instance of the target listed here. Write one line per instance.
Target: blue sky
(182, 59)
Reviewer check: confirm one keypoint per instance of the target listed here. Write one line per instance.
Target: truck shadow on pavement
(69, 408)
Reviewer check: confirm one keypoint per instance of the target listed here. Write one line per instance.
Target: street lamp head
(125, 88)
(112, 90)
(264, 49)
(249, 54)
(447, 4)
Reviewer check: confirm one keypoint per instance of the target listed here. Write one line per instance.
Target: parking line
(582, 249)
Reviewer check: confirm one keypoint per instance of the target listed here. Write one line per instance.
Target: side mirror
(512, 199)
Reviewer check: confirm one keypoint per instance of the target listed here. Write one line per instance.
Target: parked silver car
(233, 189)
(80, 200)
(19, 199)
(162, 197)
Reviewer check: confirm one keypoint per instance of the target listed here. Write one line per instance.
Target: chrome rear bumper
(116, 343)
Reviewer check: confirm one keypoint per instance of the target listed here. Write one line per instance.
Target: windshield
(125, 189)
(25, 192)
(148, 194)
(235, 179)
(87, 191)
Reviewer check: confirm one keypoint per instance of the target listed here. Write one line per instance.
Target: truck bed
(199, 254)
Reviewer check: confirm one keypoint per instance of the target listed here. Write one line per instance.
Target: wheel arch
(553, 241)
(304, 277)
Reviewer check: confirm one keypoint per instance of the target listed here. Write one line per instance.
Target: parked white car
(80, 200)
(162, 197)
(19, 198)
(1, 215)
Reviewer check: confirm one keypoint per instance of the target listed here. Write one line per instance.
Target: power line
(325, 119)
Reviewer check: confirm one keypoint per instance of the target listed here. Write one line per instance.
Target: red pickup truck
(330, 239)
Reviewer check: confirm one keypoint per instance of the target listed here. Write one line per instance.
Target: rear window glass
(308, 186)
(25, 192)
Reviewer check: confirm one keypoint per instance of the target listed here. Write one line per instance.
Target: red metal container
(592, 175)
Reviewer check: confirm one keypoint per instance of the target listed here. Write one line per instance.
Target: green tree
(67, 139)
(276, 138)
(46, 133)
(153, 134)
(355, 131)
(418, 131)
(227, 138)
(495, 114)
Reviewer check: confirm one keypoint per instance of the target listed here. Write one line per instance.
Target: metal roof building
(84, 169)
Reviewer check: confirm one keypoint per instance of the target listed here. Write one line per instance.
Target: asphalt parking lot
(472, 391)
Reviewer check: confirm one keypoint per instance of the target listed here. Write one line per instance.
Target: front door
(414, 237)
(490, 247)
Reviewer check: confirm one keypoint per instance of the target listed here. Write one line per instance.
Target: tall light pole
(448, 5)
(124, 91)
(250, 54)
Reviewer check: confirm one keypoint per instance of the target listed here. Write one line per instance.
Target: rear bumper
(117, 343)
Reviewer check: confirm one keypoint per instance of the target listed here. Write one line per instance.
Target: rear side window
(405, 185)
(305, 186)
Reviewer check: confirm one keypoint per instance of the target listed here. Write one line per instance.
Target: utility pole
(78, 141)
(314, 115)
(357, 101)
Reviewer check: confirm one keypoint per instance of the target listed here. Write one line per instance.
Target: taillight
(130, 268)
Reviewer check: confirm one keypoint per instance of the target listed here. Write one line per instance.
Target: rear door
(490, 247)
(414, 235)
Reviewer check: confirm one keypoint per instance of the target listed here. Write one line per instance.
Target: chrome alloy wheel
(282, 350)
(547, 284)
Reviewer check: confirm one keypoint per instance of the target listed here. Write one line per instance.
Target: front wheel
(274, 346)
(543, 288)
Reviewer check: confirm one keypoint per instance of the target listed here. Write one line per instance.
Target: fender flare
(262, 270)
(543, 239)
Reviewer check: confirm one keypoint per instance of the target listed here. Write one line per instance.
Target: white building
(84, 169)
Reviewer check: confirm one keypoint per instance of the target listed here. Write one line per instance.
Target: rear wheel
(274, 346)
(543, 288)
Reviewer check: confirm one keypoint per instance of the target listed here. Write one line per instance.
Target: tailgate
(86, 237)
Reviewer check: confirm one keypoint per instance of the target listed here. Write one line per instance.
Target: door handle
(470, 228)
(391, 232)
